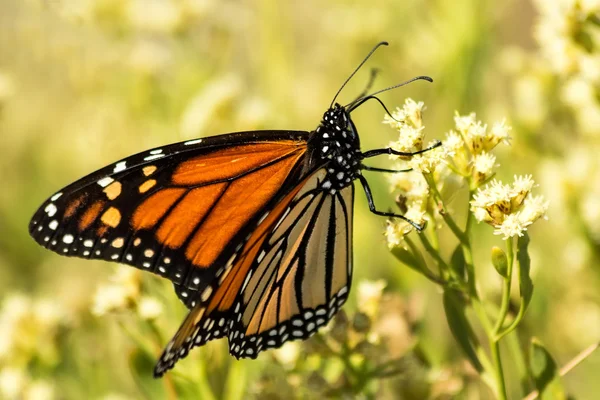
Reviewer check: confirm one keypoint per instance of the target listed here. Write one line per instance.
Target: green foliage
(544, 372)
(455, 309)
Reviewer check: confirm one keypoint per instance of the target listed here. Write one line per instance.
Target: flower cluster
(510, 209)
(124, 292)
(465, 154)
(30, 331)
(470, 144)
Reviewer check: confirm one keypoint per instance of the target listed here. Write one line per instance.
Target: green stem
(495, 349)
(443, 267)
(506, 287)
(423, 266)
(462, 237)
(513, 325)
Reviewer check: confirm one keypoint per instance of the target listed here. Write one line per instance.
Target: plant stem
(505, 287)
(424, 270)
(499, 374)
(443, 267)
(447, 218)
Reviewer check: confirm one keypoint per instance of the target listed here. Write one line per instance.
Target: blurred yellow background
(84, 83)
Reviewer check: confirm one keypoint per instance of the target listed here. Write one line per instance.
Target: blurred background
(84, 83)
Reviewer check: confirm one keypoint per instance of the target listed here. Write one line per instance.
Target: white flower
(40, 390)
(534, 208)
(409, 141)
(413, 112)
(511, 226)
(500, 132)
(523, 184)
(398, 228)
(369, 296)
(483, 166)
(121, 293)
(521, 188)
(477, 136)
(396, 120)
(48, 313)
(393, 235)
(110, 298)
(464, 122)
(454, 142)
(413, 186)
(288, 354)
(149, 308)
(509, 209)
(428, 162)
(12, 383)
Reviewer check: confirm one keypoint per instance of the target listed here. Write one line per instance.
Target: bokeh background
(86, 82)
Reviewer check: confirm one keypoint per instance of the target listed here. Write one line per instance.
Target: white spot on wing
(56, 196)
(104, 182)
(50, 209)
(153, 157)
(53, 225)
(88, 243)
(191, 142)
(157, 151)
(68, 239)
(121, 166)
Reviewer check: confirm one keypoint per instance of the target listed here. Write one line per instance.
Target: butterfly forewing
(179, 211)
(291, 276)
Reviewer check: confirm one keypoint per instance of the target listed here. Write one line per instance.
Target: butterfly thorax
(335, 143)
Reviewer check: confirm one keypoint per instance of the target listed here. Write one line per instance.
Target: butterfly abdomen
(335, 142)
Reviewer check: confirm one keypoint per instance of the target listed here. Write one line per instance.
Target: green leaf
(457, 261)
(544, 372)
(454, 306)
(500, 261)
(525, 282)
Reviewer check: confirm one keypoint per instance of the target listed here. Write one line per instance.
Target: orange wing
(179, 211)
(290, 277)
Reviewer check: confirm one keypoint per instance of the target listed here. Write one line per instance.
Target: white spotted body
(336, 142)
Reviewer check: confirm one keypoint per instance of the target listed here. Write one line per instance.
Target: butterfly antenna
(356, 70)
(374, 72)
(418, 78)
(360, 100)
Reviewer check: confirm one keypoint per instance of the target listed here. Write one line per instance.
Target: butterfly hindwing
(290, 277)
(178, 211)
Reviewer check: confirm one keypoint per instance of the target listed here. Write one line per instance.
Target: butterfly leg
(391, 171)
(390, 151)
(374, 210)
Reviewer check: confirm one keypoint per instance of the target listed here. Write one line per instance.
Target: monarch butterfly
(254, 229)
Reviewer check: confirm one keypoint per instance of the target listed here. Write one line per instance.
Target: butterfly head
(335, 142)
(337, 124)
